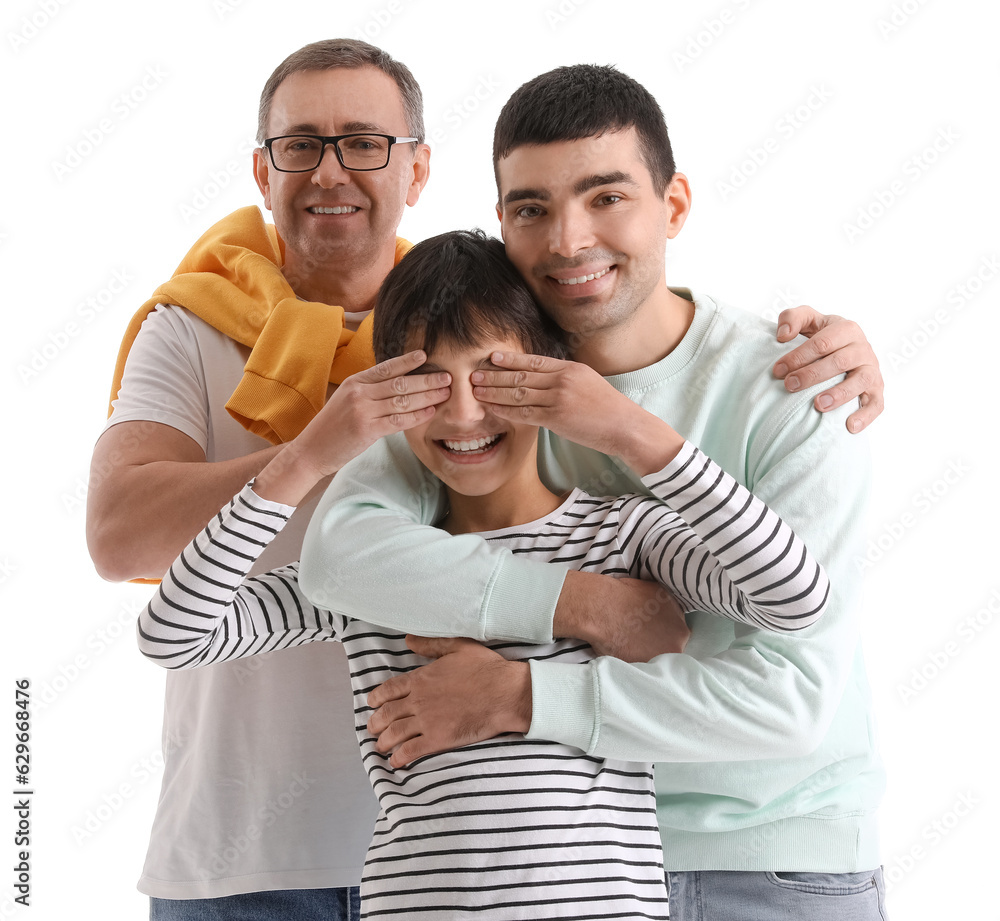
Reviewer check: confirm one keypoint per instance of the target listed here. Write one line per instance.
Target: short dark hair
(350, 53)
(459, 288)
(582, 101)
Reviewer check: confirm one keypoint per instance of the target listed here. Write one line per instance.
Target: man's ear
(261, 166)
(421, 173)
(678, 200)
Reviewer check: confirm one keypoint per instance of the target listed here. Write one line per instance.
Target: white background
(126, 132)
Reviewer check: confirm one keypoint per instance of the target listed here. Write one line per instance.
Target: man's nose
(571, 232)
(329, 172)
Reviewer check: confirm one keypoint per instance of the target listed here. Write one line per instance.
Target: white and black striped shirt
(509, 828)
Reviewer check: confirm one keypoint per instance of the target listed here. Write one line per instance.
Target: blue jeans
(722, 895)
(275, 905)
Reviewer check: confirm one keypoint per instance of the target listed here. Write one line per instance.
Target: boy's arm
(720, 549)
(207, 609)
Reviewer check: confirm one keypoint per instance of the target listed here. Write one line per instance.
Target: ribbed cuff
(521, 600)
(564, 703)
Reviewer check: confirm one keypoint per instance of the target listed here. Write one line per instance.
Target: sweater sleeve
(377, 518)
(719, 548)
(207, 609)
(742, 693)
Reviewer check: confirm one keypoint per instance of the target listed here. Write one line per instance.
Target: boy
(509, 828)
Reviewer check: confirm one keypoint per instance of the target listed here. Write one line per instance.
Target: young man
(245, 344)
(510, 828)
(769, 782)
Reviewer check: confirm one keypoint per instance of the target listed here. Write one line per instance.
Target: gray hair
(350, 53)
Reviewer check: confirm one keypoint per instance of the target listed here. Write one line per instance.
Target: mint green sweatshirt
(764, 741)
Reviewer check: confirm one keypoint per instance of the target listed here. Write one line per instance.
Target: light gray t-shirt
(263, 786)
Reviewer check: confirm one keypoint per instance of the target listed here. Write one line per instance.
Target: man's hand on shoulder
(468, 694)
(573, 401)
(836, 346)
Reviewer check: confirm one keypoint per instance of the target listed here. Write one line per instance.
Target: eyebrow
(616, 177)
(349, 128)
(522, 194)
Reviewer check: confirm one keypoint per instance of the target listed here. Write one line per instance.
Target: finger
(513, 396)
(405, 384)
(433, 647)
(871, 409)
(396, 733)
(862, 383)
(393, 689)
(844, 335)
(529, 415)
(536, 380)
(795, 320)
(845, 360)
(519, 361)
(403, 404)
(400, 422)
(393, 367)
(416, 747)
(393, 711)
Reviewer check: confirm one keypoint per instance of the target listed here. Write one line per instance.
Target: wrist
(517, 712)
(575, 610)
(288, 477)
(649, 445)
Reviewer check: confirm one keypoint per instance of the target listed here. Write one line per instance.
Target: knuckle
(807, 375)
(823, 343)
(399, 384)
(868, 378)
(842, 362)
(802, 356)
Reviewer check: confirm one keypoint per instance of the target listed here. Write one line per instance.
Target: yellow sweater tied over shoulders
(232, 280)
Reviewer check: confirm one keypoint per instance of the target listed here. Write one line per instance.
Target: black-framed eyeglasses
(302, 153)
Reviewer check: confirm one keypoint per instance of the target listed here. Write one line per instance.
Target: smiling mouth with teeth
(581, 279)
(340, 209)
(475, 446)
